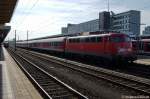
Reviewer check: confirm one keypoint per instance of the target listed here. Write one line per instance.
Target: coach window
(70, 40)
(82, 40)
(55, 43)
(73, 40)
(59, 44)
(36, 44)
(78, 40)
(148, 45)
(87, 39)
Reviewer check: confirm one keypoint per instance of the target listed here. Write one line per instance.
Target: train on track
(141, 46)
(111, 46)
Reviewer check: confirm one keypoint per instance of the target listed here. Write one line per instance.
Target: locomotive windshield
(120, 39)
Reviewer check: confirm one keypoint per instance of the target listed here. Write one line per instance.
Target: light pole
(27, 39)
(15, 40)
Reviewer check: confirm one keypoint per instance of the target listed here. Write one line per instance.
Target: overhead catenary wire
(28, 13)
(23, 12)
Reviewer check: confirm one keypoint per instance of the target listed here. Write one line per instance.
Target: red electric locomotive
(113, 46)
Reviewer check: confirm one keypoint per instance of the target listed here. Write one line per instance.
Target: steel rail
(48, 93)
(117, 78)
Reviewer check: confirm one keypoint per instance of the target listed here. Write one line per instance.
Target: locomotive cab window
(120, 39)
(93, 39)
(99, 39)
(87, 39)
(82, 40)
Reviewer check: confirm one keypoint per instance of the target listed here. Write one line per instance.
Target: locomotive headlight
(121, 50)
(129, 49)
(124, 50)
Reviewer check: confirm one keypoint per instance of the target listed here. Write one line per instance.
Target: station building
(126, 22)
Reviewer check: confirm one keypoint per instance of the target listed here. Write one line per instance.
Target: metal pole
(108, 5)
(27, 38)
(15, 40)
(8, 42)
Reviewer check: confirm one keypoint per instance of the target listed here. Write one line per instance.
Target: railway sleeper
(66, 96)
(53, 86)
(47, 84)
(55, 89)
(58, 93)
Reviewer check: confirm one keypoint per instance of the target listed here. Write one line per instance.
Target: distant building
(146, 31)
(89, 26)
(126, 22)
(64, 30)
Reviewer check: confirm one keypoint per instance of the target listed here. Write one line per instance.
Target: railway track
(136, 69)
(49, 86)
(137, 84)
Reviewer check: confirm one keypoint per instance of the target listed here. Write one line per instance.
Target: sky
(46, 17)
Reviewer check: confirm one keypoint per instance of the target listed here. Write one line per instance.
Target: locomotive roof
(100, 35)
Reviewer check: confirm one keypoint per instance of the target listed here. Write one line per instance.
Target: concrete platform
(142, 59)
(13, 82)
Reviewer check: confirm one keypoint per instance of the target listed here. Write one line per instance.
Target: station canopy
(6, 11)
